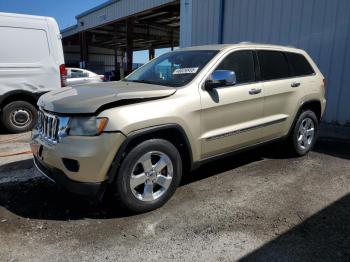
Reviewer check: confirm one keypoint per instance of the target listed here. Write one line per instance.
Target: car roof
(220, 47)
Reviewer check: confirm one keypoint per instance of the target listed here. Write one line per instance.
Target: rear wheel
(149, 175)
(304, 133)
(19, 116)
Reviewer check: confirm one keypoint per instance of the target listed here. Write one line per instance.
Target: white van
(31, 63)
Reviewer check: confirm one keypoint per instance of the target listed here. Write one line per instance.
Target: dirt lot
(256, 206)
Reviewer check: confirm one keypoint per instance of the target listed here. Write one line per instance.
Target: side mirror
(221, 78)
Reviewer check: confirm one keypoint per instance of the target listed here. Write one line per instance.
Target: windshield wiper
(140, 81)
(151, 83)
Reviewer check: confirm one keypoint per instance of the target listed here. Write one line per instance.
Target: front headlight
(86, 126)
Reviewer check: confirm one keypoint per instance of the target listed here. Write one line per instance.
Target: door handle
(254, 91)
(295, 84)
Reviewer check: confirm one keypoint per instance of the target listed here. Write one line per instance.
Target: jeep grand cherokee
(180, 110)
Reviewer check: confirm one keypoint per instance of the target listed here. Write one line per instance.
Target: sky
(64, 11)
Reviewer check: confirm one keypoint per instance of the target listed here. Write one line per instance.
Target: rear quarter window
(23, 45)
(299, 65)
(273, 65)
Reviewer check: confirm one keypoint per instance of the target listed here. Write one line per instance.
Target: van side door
(231, 115)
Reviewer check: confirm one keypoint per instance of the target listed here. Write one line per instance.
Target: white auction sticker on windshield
(190, 70)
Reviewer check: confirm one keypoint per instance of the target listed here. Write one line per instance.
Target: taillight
(63, 75)
(103, 78)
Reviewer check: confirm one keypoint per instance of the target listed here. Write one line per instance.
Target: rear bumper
(85, 189)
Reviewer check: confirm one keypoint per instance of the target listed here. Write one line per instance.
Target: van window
(22, 45)
(273, 65)
(242, 63)
(299, 65)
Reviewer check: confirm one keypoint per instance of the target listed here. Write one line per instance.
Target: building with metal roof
(109, 33)
(117, 28)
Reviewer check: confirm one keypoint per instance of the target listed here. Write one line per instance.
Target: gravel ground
(256, 206)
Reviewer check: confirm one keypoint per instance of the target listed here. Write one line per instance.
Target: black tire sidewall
(5, 116)
(305, 114)
(122, 181)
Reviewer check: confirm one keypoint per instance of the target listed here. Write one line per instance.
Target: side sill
(199, 163)
(239, 131)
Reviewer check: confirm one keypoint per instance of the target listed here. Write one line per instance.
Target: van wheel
(148, 175)
(304, 134)
(19, 116)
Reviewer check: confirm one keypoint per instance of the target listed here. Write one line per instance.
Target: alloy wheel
(306, 133)
(151, 176)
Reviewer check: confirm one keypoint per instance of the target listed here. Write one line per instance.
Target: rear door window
(273, 65)
(242, 63)
(299, 65)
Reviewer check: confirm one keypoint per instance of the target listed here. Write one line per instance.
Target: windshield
(172, 69)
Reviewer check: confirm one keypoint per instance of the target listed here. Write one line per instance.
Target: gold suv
(180, 110)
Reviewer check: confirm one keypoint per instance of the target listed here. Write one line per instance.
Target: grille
(48, 126)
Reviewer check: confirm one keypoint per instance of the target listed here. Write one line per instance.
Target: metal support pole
(221, 22)
(129, 44)
(117, 62)
(116, 52)
(151, 53)
(84, 57)
(116, 59)
(172, 40)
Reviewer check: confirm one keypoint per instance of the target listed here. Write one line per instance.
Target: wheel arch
(173, 133)
(19, 95)
(313, 105)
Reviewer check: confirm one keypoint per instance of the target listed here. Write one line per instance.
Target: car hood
(91, 98)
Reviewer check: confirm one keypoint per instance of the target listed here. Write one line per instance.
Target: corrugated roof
(103, 5)
(69, 28)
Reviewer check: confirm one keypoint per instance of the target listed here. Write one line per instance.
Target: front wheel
(148, 175)
(19, 116)
(303, 136)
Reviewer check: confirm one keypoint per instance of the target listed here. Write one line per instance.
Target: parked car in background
(77, 76)
(31, 63)
(178, 111)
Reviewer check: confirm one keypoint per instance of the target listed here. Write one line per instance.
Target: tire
(304, 134)
(19, 116)
(139, 186)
